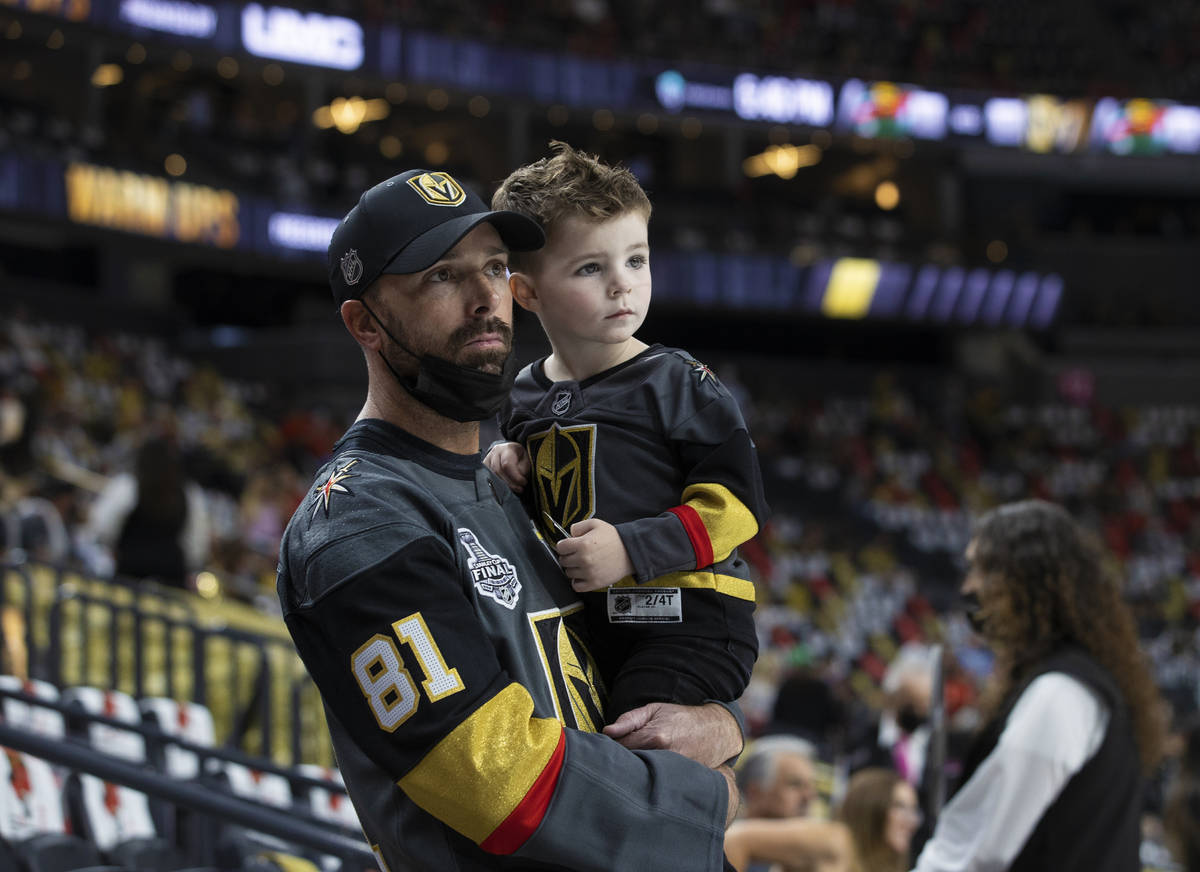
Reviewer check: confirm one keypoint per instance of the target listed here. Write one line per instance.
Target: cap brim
(518, 232)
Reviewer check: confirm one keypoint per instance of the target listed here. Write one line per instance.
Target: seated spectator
(776, 778)
(881, 810)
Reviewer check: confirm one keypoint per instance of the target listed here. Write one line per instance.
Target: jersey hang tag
(645, 605)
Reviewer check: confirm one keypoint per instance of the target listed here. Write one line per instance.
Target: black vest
(1094, 824)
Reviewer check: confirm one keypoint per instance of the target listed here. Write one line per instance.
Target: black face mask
(461, 393)
(909, 719)
(971, 608)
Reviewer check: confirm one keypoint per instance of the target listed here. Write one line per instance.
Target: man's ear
(523, 291)
(361, 325)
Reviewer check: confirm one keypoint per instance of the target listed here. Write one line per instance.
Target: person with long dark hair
(153, 519)
(1072, 720)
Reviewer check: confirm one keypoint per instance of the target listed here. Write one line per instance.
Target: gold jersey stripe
(728, 522)
(473, 778)
(706, 579)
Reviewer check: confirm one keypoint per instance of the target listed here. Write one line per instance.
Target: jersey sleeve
(722, 503)
(399, 656)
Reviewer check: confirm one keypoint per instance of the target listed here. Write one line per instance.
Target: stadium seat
(32, 823)
(43, 721)
(189, 721)
(329, 805)
(117, 819)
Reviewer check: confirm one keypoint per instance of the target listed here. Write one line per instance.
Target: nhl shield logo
(438, 189)
(352, 268)
(562, 403)
(493, 575)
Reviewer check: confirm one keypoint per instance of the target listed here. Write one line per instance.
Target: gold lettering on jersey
(576, 688)
(438, 189)
(564, 476)
(135, 203)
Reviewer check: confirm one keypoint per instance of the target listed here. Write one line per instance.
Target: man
(1053, 781)
(776, 778)
(444, 639)
(775, 832)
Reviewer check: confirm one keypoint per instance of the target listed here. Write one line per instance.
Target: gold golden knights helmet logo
(564, 476)
(438, 189)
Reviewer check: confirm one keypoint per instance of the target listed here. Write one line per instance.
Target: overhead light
(781, 160)
(887, 195)
(106, 75)
(347, 114)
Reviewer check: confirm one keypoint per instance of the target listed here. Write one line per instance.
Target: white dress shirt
(1057, 725)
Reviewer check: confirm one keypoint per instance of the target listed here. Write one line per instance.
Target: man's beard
(484, 359)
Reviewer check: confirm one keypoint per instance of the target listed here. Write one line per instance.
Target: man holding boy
(447, 646)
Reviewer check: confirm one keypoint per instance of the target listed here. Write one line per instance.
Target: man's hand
(707, 733)
(509, 461)
(593, 556)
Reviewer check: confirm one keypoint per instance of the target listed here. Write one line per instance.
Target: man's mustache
(465, 334)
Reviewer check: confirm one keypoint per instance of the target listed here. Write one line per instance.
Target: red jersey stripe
(527, 816)
(697, 534)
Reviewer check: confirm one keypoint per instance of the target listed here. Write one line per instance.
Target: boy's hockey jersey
(657, 447)
(448, 651)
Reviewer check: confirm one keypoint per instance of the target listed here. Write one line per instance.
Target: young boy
(634, 460)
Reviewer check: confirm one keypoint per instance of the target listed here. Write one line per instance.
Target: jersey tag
(645, 605)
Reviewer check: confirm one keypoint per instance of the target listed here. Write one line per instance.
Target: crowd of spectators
(873, 494)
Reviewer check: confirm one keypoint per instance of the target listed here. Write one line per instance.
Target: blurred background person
(881, 810)
(153, 519)
(776, 778)
(1055, 779)
(1181, 816)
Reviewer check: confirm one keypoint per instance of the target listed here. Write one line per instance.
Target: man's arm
(398, 653)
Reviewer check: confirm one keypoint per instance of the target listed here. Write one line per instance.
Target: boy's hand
(593, 557)
(509, 461)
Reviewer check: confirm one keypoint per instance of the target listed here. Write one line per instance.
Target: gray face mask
(461, 393)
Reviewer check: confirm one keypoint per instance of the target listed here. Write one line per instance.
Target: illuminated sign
(171, 16)
(303, 37)
(883, 110)
(72, 10)
(674, 93)
(299, 232)
(1040, 123)
(783, 100)
(152, 206)
(1141, 126)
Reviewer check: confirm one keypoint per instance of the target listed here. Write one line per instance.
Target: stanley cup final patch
(645, 605)
(493, 575)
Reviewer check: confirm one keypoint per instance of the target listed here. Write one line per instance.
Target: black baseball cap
(407, 223)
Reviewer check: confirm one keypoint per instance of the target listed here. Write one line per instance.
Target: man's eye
(442, 275)
(497, 269)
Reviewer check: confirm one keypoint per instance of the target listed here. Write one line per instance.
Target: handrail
(84, 758)
(159, 736)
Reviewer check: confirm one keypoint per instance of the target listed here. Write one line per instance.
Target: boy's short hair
(569, 182)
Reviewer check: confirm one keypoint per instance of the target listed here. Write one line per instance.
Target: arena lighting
(783, 100)
(888, 110)
(887, 195)
(107, 74)
(782, 160)
(347, 114)
(299, 232)
(287, 34)
(180, 17)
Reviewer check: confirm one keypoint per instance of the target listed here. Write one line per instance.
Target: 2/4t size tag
(645, 605)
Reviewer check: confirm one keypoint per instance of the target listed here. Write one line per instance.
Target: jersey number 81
(388, 686)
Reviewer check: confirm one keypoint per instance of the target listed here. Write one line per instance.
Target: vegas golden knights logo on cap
(564, 476)
(438, 189)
